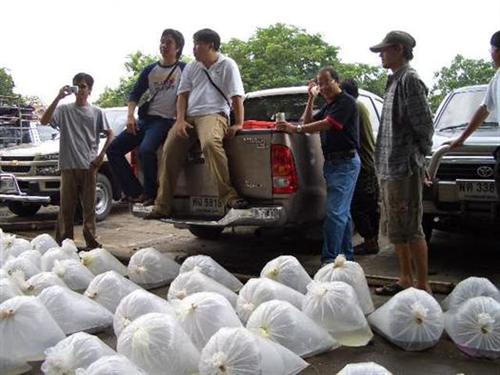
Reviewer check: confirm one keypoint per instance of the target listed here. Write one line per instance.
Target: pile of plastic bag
(43, 243)
(24, 265)
(8, 289)
(111, 365)
(287, 270)
(364, 368)
(151, 269)
(412, 320)
(36, 283)
(283, 323)
(212, 269)
(334, 306)
(351, 273)
(101, 260)
(156, 343)
(238, 351)
(470, 288)
(74, 274)
(68, 250)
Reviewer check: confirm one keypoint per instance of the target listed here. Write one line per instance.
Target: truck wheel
(428, 226)
(24, 209)
(103, 197)
(207, 233)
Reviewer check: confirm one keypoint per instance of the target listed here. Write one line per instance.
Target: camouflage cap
(395, 37)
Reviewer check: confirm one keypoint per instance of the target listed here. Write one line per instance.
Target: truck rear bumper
(259, 216)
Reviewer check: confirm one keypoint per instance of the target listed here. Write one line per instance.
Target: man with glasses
(491, 103)
(209, 87)
(80, 125)
(404, 138)
(338, 124)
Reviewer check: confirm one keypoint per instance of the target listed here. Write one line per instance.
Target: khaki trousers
(210, 130)
(77, 185)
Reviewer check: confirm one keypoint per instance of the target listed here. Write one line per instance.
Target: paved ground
(453, 257)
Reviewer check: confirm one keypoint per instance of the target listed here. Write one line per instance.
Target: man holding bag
(156, 117)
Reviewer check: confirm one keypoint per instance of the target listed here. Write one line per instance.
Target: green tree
(118, 97)
(461, 72)
(6, 83)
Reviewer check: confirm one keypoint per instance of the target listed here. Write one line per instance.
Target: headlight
(48, 157)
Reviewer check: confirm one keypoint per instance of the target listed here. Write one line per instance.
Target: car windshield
(459, 110)
(117, 119)
(47, 133)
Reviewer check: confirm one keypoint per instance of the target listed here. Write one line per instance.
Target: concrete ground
(453, 257)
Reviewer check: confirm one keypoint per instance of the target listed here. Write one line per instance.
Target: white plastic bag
(151, 269)
(76, 351)
(28, 328)
(111, 365)
(68, 250)
(35, 284)
(286, 269)
(237, 351)
(8, 289)
(101, 260)
(12, 367)
(43, 242)
(24, 265)
(74, 312)
(212, 269)
(364, 368)
(257, 291)
(33, 256)
(109, 288)
(203, 314)
(475, 327)
(13, 246)
(334, 306)
(351, 273)
(283, 323)
(76, 276)
(136, 304)
(470, 288)
(412, 320)
(194, 282)
(157, 343)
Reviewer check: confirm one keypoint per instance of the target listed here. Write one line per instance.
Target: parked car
(463, 192)
(280, 174)
(35, 167)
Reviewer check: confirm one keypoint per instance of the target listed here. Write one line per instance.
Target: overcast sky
(44, 43)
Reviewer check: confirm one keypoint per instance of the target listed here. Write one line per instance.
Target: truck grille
(16, 168)
(451, 172)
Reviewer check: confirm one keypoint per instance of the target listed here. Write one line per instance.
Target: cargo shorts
(401, 216)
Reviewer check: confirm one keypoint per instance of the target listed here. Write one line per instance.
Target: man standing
(404, 138)
(162, 79)
(80, 125)
(338, 122)
(209, 87)
(491, 103)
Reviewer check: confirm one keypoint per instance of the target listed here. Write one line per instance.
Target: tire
(428, 226)
(207, 233)
(103, 197)
(24, 209)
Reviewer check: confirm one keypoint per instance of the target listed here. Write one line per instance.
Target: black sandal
(389, 289)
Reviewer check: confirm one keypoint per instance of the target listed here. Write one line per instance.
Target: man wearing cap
(404, 138)
(491, 103)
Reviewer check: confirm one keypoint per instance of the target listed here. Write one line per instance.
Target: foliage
(461, 72)
(6, 83)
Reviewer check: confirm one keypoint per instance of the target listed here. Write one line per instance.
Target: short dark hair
(177, 36)
(333, 73)
(407, 52)
(495, 40)
(87, 78)
(350, 86)
(207, 36)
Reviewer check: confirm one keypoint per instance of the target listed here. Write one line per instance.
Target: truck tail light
(284, 173)
(134, 162)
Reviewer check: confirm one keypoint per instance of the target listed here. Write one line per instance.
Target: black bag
(143, 109)
(231, 118)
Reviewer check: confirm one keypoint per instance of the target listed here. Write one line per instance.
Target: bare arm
(476, 121)
(311, 127)
(181, 126)
(47, 115)
(239, 116)
(131, 123)
(99, 159)
(308, 111)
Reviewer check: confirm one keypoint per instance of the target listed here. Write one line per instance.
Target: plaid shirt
(405, 133)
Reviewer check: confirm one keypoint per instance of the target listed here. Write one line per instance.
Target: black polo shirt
(343, 116)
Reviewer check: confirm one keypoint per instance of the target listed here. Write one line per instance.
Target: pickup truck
(35, 168)
(463, 194)
(279, 174)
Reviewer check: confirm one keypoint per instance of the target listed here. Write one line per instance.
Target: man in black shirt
(338, 124)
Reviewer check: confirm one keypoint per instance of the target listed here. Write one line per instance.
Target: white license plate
(206, 205)
(476, 190)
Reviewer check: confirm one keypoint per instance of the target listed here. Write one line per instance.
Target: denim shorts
(401, 216)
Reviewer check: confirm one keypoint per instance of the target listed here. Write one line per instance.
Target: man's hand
(64, 92)
(181, 128)
(131, 125)
(97, 162)
(232, 130)
(286, 127)
(312, 89)
(456, 143)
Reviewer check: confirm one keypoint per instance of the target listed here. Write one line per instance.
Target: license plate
(476, 190)
(206, 205)
(8, 185)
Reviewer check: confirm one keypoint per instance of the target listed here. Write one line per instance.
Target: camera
(73, 89)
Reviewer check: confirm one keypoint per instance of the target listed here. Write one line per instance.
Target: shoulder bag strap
(217, 88)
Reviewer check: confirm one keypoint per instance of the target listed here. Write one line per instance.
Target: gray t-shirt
(80, 128)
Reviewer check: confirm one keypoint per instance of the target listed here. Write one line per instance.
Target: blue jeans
(150, 135)
(340, 177)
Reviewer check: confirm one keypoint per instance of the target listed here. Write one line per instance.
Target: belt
(340, 155)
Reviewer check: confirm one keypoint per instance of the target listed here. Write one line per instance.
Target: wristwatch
(299, 128)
